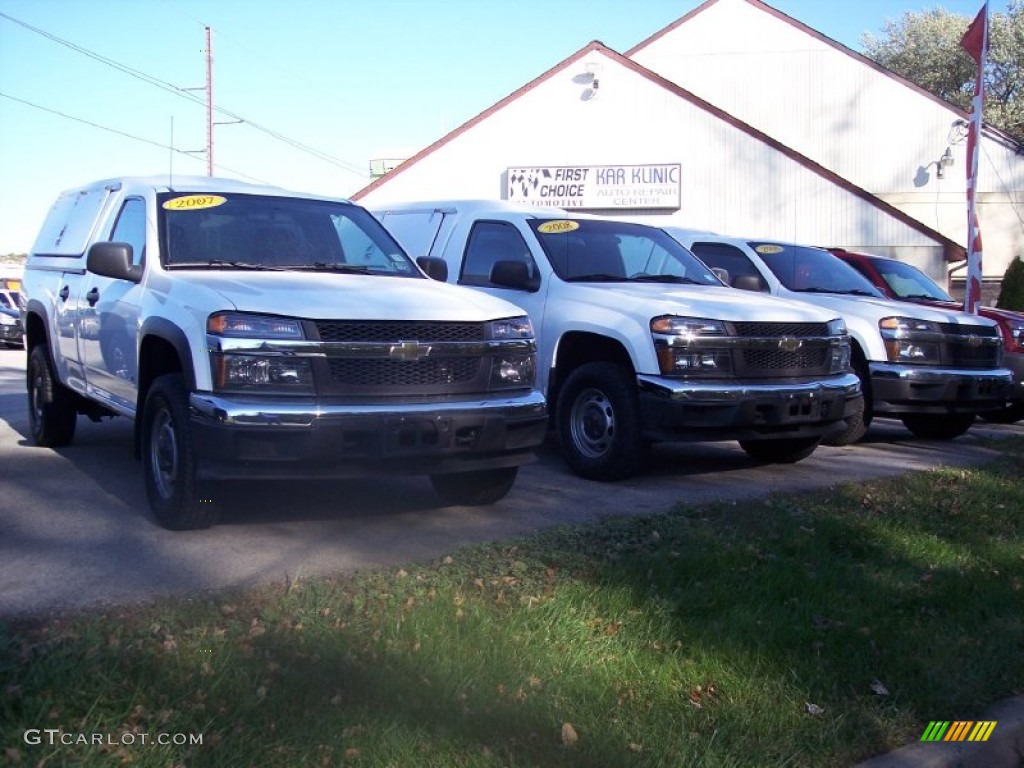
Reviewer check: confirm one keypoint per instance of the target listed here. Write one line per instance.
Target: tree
(1011, 295)
(925, 48)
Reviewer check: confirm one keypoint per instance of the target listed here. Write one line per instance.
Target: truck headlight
(682, 351)
(6, 319)
(837, 327)
(513, 371)
(690, 327)
(1016, 340)
(249, 370)
(909, 340)
(840, 361)
(284, 374)
(511, 328)
(240, 324)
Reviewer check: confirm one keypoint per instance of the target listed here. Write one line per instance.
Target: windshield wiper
(219, 264)
(600, 277)
(647, 278)
(847, 292)
(323, 266)
(924, 296)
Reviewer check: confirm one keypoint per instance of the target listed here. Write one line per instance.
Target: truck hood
(873, 309)
(707, 301)
(320, 295)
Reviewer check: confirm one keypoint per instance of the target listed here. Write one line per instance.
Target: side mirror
(435, 267)
(747, 283)
(513, 274)
(113, 260)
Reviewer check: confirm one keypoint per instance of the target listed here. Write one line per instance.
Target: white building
(739, 119)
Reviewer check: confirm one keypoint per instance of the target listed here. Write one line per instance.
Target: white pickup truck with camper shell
(257, 333)
(638, 342)
(934, 369)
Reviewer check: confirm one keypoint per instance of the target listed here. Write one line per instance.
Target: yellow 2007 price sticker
(194, 202)
(553, 227)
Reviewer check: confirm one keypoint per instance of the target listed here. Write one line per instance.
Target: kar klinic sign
(596, 186)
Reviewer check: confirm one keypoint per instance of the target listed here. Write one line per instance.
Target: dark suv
(903, 282)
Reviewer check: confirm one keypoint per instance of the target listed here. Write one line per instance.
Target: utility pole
(209, 102)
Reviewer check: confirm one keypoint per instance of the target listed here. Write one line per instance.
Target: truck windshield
(812, 270)
(909, 282)
(601, 250)
(231, 231)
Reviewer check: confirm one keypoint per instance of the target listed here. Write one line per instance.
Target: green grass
(695, 638)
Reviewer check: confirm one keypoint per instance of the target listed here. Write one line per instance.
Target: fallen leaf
(880, 689)
(814, 709)
(569, 735)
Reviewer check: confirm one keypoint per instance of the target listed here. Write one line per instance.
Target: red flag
(975, 39)
(975, 42)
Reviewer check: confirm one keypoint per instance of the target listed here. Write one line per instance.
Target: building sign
(596, 186)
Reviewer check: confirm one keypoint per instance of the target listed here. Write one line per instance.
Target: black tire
(52, 407)
(598, 421)
(935, 427)
(786, 451)
(1011, 414)
(858, 423)
(169, 458)
(475, 489)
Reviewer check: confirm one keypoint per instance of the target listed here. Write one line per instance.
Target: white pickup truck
(639, 342)
(257, 333)
(935, 369)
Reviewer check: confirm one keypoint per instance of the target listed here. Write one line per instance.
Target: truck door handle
(64, 293)
(92, 297)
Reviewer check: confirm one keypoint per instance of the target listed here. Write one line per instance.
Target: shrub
(1011, 295)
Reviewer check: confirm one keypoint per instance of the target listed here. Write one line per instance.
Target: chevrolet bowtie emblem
(790, 345)
(409, 350)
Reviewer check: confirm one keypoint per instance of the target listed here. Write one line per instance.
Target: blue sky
(350, 80)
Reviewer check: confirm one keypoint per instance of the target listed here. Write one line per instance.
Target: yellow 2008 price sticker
(553, 227)
(194, 202)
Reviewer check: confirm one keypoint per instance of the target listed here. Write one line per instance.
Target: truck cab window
(130, 228)
(490, 242)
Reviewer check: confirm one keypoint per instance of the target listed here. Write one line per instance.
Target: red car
(903, 282)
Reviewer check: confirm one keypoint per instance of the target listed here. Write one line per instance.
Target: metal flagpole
(975, 42)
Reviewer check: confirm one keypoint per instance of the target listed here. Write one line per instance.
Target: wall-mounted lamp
(589, 77)
(943, 163)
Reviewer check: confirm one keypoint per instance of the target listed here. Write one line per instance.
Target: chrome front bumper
(899, 389)
(246, 437)
(674, 409)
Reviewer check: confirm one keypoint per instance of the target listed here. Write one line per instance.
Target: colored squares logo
(958, 730)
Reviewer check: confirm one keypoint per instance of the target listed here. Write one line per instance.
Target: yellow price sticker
(194, 202)
(769, 249)
(554, 227)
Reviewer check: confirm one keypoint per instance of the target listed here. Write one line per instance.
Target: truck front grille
(443, 372)
(390, 331)
(959, 351)
(770, 330)
(765, 356)
(801, 362)
(439, 366)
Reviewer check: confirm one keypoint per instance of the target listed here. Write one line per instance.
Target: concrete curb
(1004, 749)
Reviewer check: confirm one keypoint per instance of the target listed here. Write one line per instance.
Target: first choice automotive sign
(598, 187)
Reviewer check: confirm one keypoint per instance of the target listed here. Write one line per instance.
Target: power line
(119, 133)
(184, 93)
